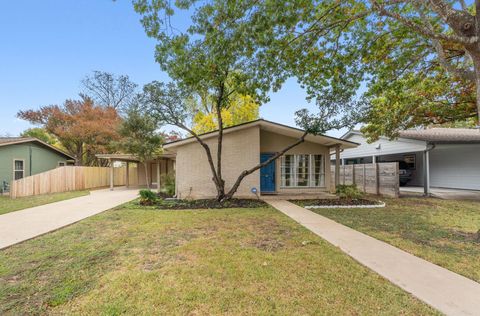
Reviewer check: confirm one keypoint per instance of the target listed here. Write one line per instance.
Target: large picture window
(302, 171)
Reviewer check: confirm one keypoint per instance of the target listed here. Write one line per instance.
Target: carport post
(426, 173)
(158, 175)
(111, 175)
(127, 175)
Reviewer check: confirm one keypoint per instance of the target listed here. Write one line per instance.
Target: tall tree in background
(40, 133)
(139, 137)
(240, 109)
(107, 89)
(82, 128)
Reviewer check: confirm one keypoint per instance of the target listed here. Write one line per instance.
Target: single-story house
(303, 169)
(437, 157)
(24, 156)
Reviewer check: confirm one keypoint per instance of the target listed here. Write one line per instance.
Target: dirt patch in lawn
(336, 202)
(209, 204)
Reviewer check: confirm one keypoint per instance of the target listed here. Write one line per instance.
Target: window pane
(18, 175)
(302, 169)
(287, 170)
(318, 171)
(18, 164)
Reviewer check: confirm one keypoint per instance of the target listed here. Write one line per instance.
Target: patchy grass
(444, 232)
(229, 261)
(8, 205)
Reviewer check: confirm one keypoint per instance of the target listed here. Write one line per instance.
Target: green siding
(43, 159)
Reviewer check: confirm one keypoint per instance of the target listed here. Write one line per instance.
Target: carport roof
(444, 135)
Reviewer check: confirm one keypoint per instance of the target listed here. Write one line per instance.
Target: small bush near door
(350, 192)
(147, 197)
(169, 185)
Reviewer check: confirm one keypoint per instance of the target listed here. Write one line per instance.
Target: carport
(438, 157)
(162, 165)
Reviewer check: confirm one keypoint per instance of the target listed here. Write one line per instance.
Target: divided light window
(302, 171)
(18, 169)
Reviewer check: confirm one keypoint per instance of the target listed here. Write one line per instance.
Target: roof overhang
(36, 140)
(270, 127)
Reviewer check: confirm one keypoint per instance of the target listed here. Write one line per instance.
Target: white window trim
(15, 170)
(310, 172)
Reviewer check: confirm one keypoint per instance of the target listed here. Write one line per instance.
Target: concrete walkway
(446, 291)
(22, 225)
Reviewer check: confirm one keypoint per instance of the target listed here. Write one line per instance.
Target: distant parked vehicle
(404, 173)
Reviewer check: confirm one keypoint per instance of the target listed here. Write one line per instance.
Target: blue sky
(48, 46)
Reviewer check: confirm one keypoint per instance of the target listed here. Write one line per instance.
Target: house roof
(272, 127)
(435, 135)
(7, 141)
(444, 135)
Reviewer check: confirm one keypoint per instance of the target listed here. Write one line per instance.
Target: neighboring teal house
(22, 157)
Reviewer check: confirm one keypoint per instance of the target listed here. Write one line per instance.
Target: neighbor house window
(61, 163)
(302, 171)
(18, 169)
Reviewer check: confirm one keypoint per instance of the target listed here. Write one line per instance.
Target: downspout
(30, 158)
(426, 169)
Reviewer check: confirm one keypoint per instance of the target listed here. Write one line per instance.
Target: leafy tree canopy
(40, 133)
(82, 128)
(241, 109)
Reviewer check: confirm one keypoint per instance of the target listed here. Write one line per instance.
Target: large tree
(82, 128)
(211, 57)
(354, 56)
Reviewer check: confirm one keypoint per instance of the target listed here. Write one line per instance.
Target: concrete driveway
(446, 194)
(25, 224)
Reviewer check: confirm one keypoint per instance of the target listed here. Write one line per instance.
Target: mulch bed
(336, 202)
(209, 204)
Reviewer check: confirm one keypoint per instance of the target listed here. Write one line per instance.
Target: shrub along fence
(68, 178)
(375, 178)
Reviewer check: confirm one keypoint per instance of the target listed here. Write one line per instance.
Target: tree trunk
(79, 155)
(221, 182)
(476, 65)
(146, 174)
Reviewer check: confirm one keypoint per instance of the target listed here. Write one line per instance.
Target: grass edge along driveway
(228, 261)
(8, 205)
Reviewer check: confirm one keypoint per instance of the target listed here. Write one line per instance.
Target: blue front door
(267, 175)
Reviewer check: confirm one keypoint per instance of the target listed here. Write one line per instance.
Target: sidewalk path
(444, 290)
(25, 224)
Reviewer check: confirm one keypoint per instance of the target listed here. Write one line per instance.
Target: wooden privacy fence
(375, 178)
(69, 178)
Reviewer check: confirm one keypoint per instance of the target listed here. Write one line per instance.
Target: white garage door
(455, 166)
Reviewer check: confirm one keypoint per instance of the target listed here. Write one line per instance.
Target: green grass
(203, 262)
(8, 205)
(441, 231)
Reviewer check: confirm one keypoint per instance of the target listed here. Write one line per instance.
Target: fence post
(377, 179)
(364, 179)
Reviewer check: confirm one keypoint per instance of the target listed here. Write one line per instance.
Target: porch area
(151, 174)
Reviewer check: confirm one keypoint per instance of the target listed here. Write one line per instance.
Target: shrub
(147, 197)
(350, 192)
(169, 185)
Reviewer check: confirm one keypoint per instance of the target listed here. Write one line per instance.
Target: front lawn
(444, 232)
(230, 261)
(9, 205)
